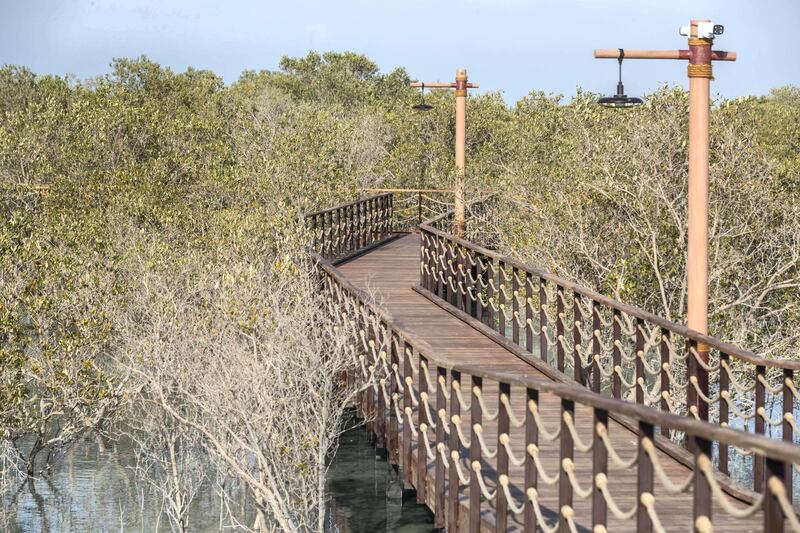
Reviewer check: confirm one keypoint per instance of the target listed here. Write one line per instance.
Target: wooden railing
(526, 455)
(615, 349)
(412, 207)
(345, 229)
(529, 463)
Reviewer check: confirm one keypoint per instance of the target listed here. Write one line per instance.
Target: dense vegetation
(179, 183)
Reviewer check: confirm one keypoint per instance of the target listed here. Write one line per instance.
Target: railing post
(566, 453)
(325, 235)
(724, 408)
(773, 512)
(702, 490)
(503, 426)
(788, 436)
(390, 214)
(419, 207)
(422, 418)
(596, 351)
(407, 371)
(543, 319)
(460, 260)
(469, 275)
(380, 418)
(454, 484)
(369, 222)
(394, 394)
(616, 354)
(439, 493)
(314, 243)
(577, 361)
(515, 305)
(476, 418)
(529, 313)
(339, 244)
(691, 373)
(372, 418)
(758, 460)
(641, 383)
(644, 478)
(441, 267)
(560, 315)
(531, 475)
(501, 298)
(664, 375)
(599, 467)
(490, 266)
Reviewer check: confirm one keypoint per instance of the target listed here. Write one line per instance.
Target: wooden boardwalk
(389, 272)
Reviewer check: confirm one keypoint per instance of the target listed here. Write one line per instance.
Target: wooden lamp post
(460, 85)
(701, 35)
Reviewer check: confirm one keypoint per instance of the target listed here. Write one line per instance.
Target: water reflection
(92, 488)
(365, 499)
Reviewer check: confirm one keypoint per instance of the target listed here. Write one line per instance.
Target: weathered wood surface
(389, 272)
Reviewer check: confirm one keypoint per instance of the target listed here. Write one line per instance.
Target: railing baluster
(599, 467)
(644, 478)
(394, 428)
(577, 360)
(476, 418)
(454, 485)
(566, 452)
(531, 475)
(503, 426)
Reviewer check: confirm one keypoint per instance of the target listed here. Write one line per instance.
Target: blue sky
(513, 46)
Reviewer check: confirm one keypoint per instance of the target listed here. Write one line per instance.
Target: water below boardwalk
(92, 488)
(358, 485)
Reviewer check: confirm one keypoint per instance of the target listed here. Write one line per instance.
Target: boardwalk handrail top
(346, 204)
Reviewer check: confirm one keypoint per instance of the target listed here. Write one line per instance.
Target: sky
(511, 46)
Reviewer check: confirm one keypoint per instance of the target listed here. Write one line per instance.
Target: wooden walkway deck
(389, 272)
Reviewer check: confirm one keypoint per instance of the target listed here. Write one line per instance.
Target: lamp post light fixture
(700, 34)
(422, 106)
(620, 100)
(461, 85)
